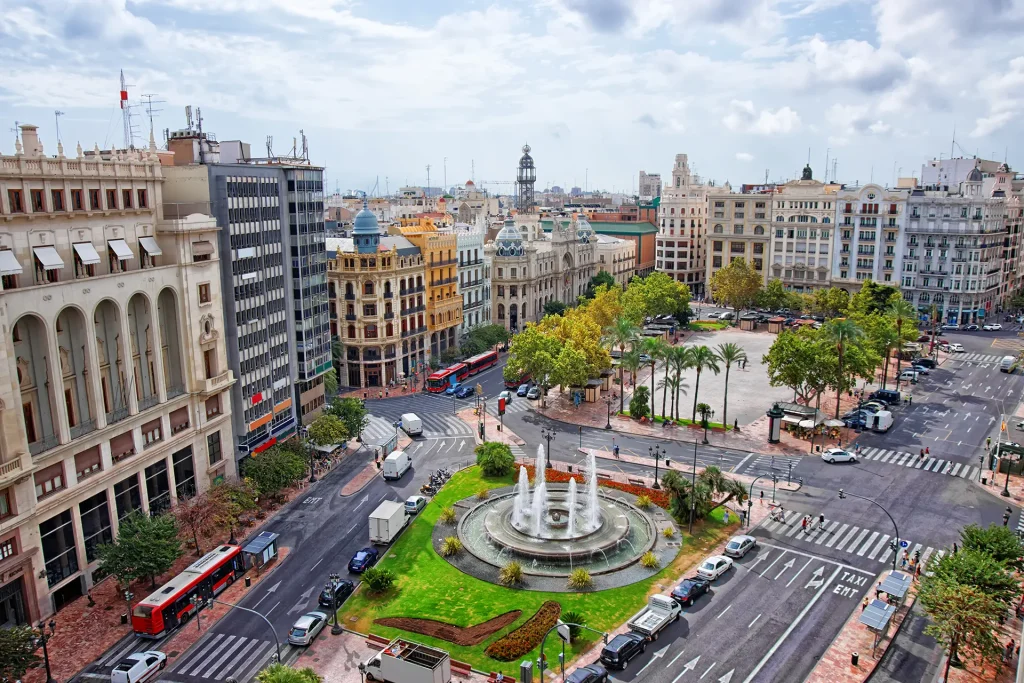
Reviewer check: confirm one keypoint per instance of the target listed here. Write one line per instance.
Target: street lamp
(549, 436)
(896, 541)
(656, 453)
(1005, 493)
(608, 401)
(693, 488)
(581, 437)
(41, 638)
(304, 433)
(332, 584)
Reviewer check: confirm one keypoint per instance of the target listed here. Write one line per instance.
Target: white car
(305, 629)
(507, 395)
(950, 326)
(714, 566)
(954, 347)
(834, 455)
(909, 375)
(139, 666)
(992, 327)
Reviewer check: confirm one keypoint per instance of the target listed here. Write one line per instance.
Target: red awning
(264, 446)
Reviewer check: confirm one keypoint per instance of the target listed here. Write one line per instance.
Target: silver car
(304, 630)
(738, 546)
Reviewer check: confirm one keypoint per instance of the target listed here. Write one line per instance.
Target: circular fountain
(555, 528)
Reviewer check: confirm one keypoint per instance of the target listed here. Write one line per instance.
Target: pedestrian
(917, 571)
(762, 497)
(380, 394)
(803, 524)
(386, 392)
(954, 548)
(725, 516)
(878, 591)
(364, 394)
(927, 451)
(821, 521)
(910, 400)
(903, 560)
(922, 454)
(1009, 650)
(864, 605)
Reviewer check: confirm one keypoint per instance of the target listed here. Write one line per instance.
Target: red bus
(513, 384)
(171, 604)
(442, 379)
(481, 362)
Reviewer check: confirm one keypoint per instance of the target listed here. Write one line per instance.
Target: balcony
(414, 331)
(83, 428)
(214, 384)
(389, 356)
(388, 294)
(10, 471)
(411, 290)
(148, 402)
(471, 306)
(43, 445)
(389, 316)
(414, 309)
(448, 262)
(350, 316)
(116, 415)
(349, 296)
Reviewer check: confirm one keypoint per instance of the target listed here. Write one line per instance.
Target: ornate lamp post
(42, 637)
(549, 436)
(608, 402)
(656, 453)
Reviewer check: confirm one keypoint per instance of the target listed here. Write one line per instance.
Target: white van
(880, 421)
(396, 464)
(728, 315)
(1007, 364)
(412, 424)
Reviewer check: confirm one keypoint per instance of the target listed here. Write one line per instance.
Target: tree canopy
(145, 547)
(998, 542)
(281, 673)
(327, 430)
(17, 652)
(872, 298)
(275, 469)
(495, 459)
(352, 413)
(554, 307)
(736, 285)
(656, 294)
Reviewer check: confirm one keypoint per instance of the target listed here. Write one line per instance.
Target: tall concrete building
(740, 227)
(474, 276)
(114, 382)
(275, 281)
(649, 186)
(868, 241)
(953, 250)
(682, 228)
(801, 247)
(440, 257)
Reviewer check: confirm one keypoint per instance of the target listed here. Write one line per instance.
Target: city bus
(171, 604)
(442, 379)
(513, 384)
(481, 362)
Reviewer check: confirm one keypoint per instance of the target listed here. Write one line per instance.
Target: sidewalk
(999, 672)
(491, 431)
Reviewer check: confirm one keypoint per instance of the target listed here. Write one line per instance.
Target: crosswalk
(380, 430)
(517, 405)
(766, 464)
(929, 464)
(848, 538)
(977, 357)
(224, 655)
(127, 647)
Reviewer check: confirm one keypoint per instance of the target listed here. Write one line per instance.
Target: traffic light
(501, 406)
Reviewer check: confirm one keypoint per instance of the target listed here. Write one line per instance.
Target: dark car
(363, 560)
(523, 389)
(336, 593)
(925, 363)
(971, 328)
(464, 391)
(889, 396)
(622, 648)
(592, 673)
(788, 321)
(689, 590)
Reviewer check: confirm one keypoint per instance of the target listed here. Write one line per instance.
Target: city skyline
(744, 90)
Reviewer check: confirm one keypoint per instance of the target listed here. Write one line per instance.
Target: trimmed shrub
(574, 618)
(580, 579)
(448, 515)
(483, 494)
(649, 560)
(511, 574)
(495, 459)
(668, 532)
(378, 579)
(450, 546)
(522, 640)
(643, 501)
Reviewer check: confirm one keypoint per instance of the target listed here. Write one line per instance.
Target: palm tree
(729, 353)
(630, 362)
(842, 331)
(621, 333)
(887, 339)
(679, 360)
(702, 358)
(655, 348)
(900, 310)
(720, 484)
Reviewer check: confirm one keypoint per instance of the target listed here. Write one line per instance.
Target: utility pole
(426, 193)
(56, 120)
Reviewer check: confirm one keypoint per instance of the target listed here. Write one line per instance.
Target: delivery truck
(660, 611)
(404, 661)
(386, 521)
(880, 421)
(412, 424)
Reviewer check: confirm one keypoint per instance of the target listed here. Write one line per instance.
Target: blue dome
(365, 223)
(508, 240)
(584, 232)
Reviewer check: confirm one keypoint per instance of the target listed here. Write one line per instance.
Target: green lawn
(705, 325)
(429, 587)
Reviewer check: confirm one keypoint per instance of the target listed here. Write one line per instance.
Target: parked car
(452, 388)
(924, 370)
(971, 328)
(908, 375)
(925, 363)
(363, 560)
(306, 627)
(738, 546)
(873, 406)
(954, 347)
(857, 422)
(834, 455)
(523, 389)
(888, 396)
(728, 315)
(856, 416)
(690, 589)
(507, 395)
(992, 327)
(714, 567)
(924, 337)
(644, 358)
(592, 673)
(139, 666)
(622, 648)
(465, 391)
(533, 393)
(950, 326)
(413, 504)
(336, 593)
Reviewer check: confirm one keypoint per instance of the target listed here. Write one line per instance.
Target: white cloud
(1005, 95)
(743, 117)
(849, 121)
(744, 156)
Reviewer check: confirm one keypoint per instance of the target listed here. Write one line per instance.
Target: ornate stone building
(803, 212)
(682, 227)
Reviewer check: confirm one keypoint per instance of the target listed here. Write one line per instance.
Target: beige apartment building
(802, 227)
(113, 381)
(682, 228)
(739, 227)
(617, 257)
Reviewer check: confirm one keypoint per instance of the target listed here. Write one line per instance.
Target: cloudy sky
(599, 88)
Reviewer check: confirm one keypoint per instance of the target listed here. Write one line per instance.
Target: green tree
(571, 368)
(872, 298)
(1016, 302)
(495, 459)
(656, 349)
(679, 359)
(774, 295)
(737, 285)
(704, 410)
(603, 277)
(729, 354)
(842, 332)
(449, 355)
(281, 673)
(793, 361)
(327, 430)
(656, 294)
(639, 405)
(996, 541)
(554, 307)
(275, 469)
(331, 381)
(199, 516)
(962, 616)
(533, 352)
(239, 499)
(702, 358)
(17, 652)
(977, 568)
(353, 415)
(482, 338)
(145, 547)
(378, 579)
(622, 333)
(605, 306)
(831, 302)
(901, 311)
(724, 488)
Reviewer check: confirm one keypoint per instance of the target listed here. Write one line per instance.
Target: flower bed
(524, 639)
(658, 496)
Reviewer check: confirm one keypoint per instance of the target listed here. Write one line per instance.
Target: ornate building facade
(682, 227)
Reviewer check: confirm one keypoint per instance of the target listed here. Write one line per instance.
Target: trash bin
(984, 480)
(124, 617)
(248, 582)
(855, 659)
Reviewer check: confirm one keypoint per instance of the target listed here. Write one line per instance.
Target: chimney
(30, 140)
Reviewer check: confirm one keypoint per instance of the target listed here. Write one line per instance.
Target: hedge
(522, 640)
(659, 497)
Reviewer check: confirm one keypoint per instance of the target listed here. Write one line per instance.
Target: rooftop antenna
(305, 144)
(766, 176)
(427, 193)
(953, 142)
(827, 151)
(56, 120)
(387, 187)
(188, 116)
(149, 108)
(270, 146)
(199, 129)
(126, 112)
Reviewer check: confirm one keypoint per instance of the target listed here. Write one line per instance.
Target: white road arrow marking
(760, 558)
(708, 670)
(727, 677)
(788, 565)
(689, 666)
(301, 605)
(656, 655)
(816, 578)
(365, 499)
(267, 594)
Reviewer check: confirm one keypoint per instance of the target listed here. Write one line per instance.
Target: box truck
(396, 464)
(386, 521)
(412, 424)
(404, 661)
(880, 421)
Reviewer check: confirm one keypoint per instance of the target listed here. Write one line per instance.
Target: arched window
(501, 311)
(779, 219)
(387, 288)
(826, 219)
(758, 229)
(419, 280)
(814, 219)
(390, 329)
(719, 230)
(351, 331)
(348, 289)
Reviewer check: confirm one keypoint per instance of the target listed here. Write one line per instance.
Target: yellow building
(440, 258)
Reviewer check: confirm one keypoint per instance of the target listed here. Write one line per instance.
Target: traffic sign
(904, 544)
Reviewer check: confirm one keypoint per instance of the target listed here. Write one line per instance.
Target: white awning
(9, 264)
(150, 245)
(87, 253)
(202, 248)
(49, 257)
(122, 250)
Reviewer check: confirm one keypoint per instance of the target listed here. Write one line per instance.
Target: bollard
(124, 618)
(855, 659)
(248, 582)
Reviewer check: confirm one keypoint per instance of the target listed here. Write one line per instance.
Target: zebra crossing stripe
(827, 533)
(955, 470)
(213, 655)
(796, 527)
(867, 544)
(878, 548)
(119, 654)
(237, 658)
(920, 463)
(849, 536)
(198, 656)
(948, 466)
(837, 535)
